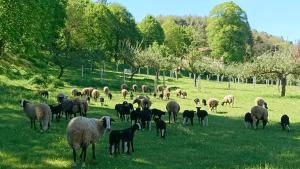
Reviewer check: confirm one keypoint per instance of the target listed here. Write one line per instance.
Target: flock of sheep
(82, 131)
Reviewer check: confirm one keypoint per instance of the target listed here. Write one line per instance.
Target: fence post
(81, 70)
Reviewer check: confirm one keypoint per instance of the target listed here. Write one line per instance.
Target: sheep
(74, 106)
(144, 88)
(188, 115)
(213, 104)
(166, 94)
(75, 92)
(44, 93)
(109, 96)
(259, 101)
(134, 88)
(248, 120)
(197, 101)
(135, 115)
(118, 108)
(83, 105)
(204, 102)
(95, 94)
(106, 90)
(172, 107)
(125, 111)
(101, 100)
(157, 113)
(184, 94)
(114, 141)
(160, 125)
(259, 113)
(202, 116)
(127, 137)
(87, 91)
(56, 110)
(124, 93)
(144, 102)
(285, 122)
(228, 99)
(40, 111)
(145, 116)
(60, 97)
(168, 89)
(159, 88)
(82, 131)
(124, 86)
(178, 92)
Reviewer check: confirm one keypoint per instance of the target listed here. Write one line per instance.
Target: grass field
(225, 143)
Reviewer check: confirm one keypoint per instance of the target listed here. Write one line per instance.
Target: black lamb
(161, 126)
(56, 110)
(109, 96)
(135, 115)
(202, 116)
(285, 122)
(157, 113)
(248, 120)
(146, 118)
(127, 137)
(188, 115)
(204, 102)
(115, 137)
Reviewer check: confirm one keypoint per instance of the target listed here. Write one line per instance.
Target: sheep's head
(136, 126)
(106, 120)
(23, 102)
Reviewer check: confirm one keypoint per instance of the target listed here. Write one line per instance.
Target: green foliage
(229, 32)
(46, 81)
(151, 31)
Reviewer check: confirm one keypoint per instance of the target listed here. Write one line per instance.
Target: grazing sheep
(157, 113)
(40, 111)
(83, 105)
(166, 94)
(197, 101)
(228, 99)
(87, 91)
(106, 90)
(173, 108)
(159, 88)
(134, 88)
(56, 110)
(259, 113)
(109, 96)
(184, 94)
(144, 88)
(127, 137)
(124, 86)
(248, 120)
(188, 115)
(82, 131)
(44, 93)
(145, 116)
(95, 94)
(124, 93)
(101, 100)
(285, 122)
(135, 115)
(144, 102)
(204, 102)
(75, 92)
(161, 126)
(178, 92)
(202, 116)
(213, 104)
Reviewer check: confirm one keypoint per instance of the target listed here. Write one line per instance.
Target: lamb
(118, 108)
(204, 102)
(145, 116)
(40, 111)
(56, 110)
(82, 131)
(202, 116)
(124, 86)
(106, 90)
(87, 91)
(248, 120)
(178, 92)
(197, 101)
(285, 122)
(75, 92)
(109, 96)
(157, 113)
(173, 108)
(125, 111)
(228, 99)
(95, 94)
(134, 88)
(188, 115)
(44, 93)
(159, 88)
(213, 104)
(259, 113)
(124, 93)
(127, 137)
(184, 94)
(161, 126)
(101, 100)
(114, 141)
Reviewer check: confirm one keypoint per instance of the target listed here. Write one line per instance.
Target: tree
(280, 63)
(151, 31)
(228, 31)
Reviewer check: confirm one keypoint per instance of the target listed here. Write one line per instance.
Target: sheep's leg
(149, 125)
(94, 152)
(84, 155)
(264, 123)
(174, 117)
(123, 148)
(169, 117)
(74, 157)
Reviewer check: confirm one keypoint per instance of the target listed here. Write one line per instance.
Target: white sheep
(159, 88)
(106, 90)
(178, 92)
(124, 86)
(95, 94)
(124, 93)
(213, 104)
(228, 99)
(259, 101)
(259, 113)
(82, 131)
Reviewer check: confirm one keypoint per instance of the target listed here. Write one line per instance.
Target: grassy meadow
(225, 143)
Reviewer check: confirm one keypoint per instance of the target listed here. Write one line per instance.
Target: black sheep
(146, 117)
(127, 137)
(202, 116)
(204, 102)
(285, 122)
(248, 120)
(197, 100)
(161, 126)
(101, 99)
(135, 115)
(157, 113)
(188, 115)
(109, 96)
(56, 110)
(115, 137)
(118, 108)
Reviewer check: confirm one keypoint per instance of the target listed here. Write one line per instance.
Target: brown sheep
(124, 93)
(159, 88)
(106, 90)
(166, 94)
(144, 88)
(87, 91)
(213, 104)
(173, 108)
(95, 94)
(228, 99)
(259, 113)
(178, 92)
(134, 88)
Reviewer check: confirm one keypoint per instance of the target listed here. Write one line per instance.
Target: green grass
(225, 143)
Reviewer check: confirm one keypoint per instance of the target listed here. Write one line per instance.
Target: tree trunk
(157, 74)
(61, 72)
(164, 82)
(229, 80)
(283, 86)
(133, 73)
(195, 79)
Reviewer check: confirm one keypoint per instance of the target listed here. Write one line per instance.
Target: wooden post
(139, 70)
(164, 83)
(207, 78)
(117, 67)
(254, 80)
(218, 78)
(81, 70)
(147, 70)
